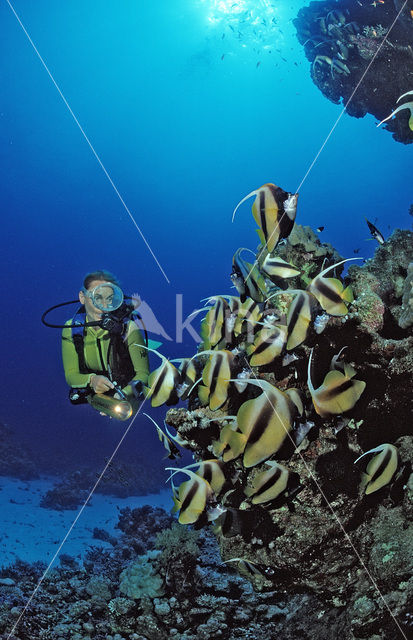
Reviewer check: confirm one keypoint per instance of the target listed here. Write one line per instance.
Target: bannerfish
(330, 292)
(162, 382)
(405, 105)
(181, 442)
(375, 233)
(381, 469)
(274, 211)
(248, 315)
(212, 471)
(216, 376)
(187, 371)
(192, 497)
(271, 484)
(217, 328)
(265, 422)
(277, 268)
(253, 568)
(213, 325)
(335, 17)
(170, 446)
(268, 345)
(300, 313)
(247, 279)
(296, 396)
(320, 229)
(231, 442)
(338, 393)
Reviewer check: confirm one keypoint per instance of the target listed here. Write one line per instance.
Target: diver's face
(92, 312)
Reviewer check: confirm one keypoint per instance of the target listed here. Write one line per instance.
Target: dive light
(113, 407)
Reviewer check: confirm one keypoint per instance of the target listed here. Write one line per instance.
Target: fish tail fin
(176, 506)
(203, 394)
(261, 236)
(348, 294)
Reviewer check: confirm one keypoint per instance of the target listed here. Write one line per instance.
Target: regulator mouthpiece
(118, 409)
(106, 297)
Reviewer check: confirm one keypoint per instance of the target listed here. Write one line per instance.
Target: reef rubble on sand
(346, 39)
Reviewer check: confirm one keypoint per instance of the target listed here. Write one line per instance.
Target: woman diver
(104, 356)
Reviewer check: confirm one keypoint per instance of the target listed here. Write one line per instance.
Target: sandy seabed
(29, 532)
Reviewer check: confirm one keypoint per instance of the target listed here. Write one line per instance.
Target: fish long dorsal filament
(290, 292)
(334, 266)
(154, 422)
(191, 474)
(378, 449)
(262, 384)
(408, 93)
(176, 438)
(309, 382)
(163, 358)
(406, 105)
(253, 193)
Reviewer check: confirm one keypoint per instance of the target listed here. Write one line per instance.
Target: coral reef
(340, 39)
(178, 557)
(86, 603)
(140, 580)
(406, 316)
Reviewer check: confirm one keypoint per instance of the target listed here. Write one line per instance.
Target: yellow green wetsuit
(96, 344)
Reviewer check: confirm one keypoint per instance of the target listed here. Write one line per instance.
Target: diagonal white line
(89, 144)
(16, 624)
(331, 130)
(314, 479)
(163, 273)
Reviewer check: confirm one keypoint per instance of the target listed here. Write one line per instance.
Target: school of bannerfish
(241, 334)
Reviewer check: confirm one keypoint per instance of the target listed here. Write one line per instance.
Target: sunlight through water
(248, 21)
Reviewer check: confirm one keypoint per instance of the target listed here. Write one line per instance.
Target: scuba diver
(105, 357)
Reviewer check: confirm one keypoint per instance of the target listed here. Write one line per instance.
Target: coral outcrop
(329, 540)
(140, 580)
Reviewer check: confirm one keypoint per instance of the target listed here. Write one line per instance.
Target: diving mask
(107, 296)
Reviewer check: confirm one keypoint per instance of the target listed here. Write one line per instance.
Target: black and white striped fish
(274, 211)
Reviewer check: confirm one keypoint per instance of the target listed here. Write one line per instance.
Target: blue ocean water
(189, 106)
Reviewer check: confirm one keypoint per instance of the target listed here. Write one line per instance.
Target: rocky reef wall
(343, 39)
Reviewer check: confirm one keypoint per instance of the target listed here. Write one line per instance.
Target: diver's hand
(100, 384)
